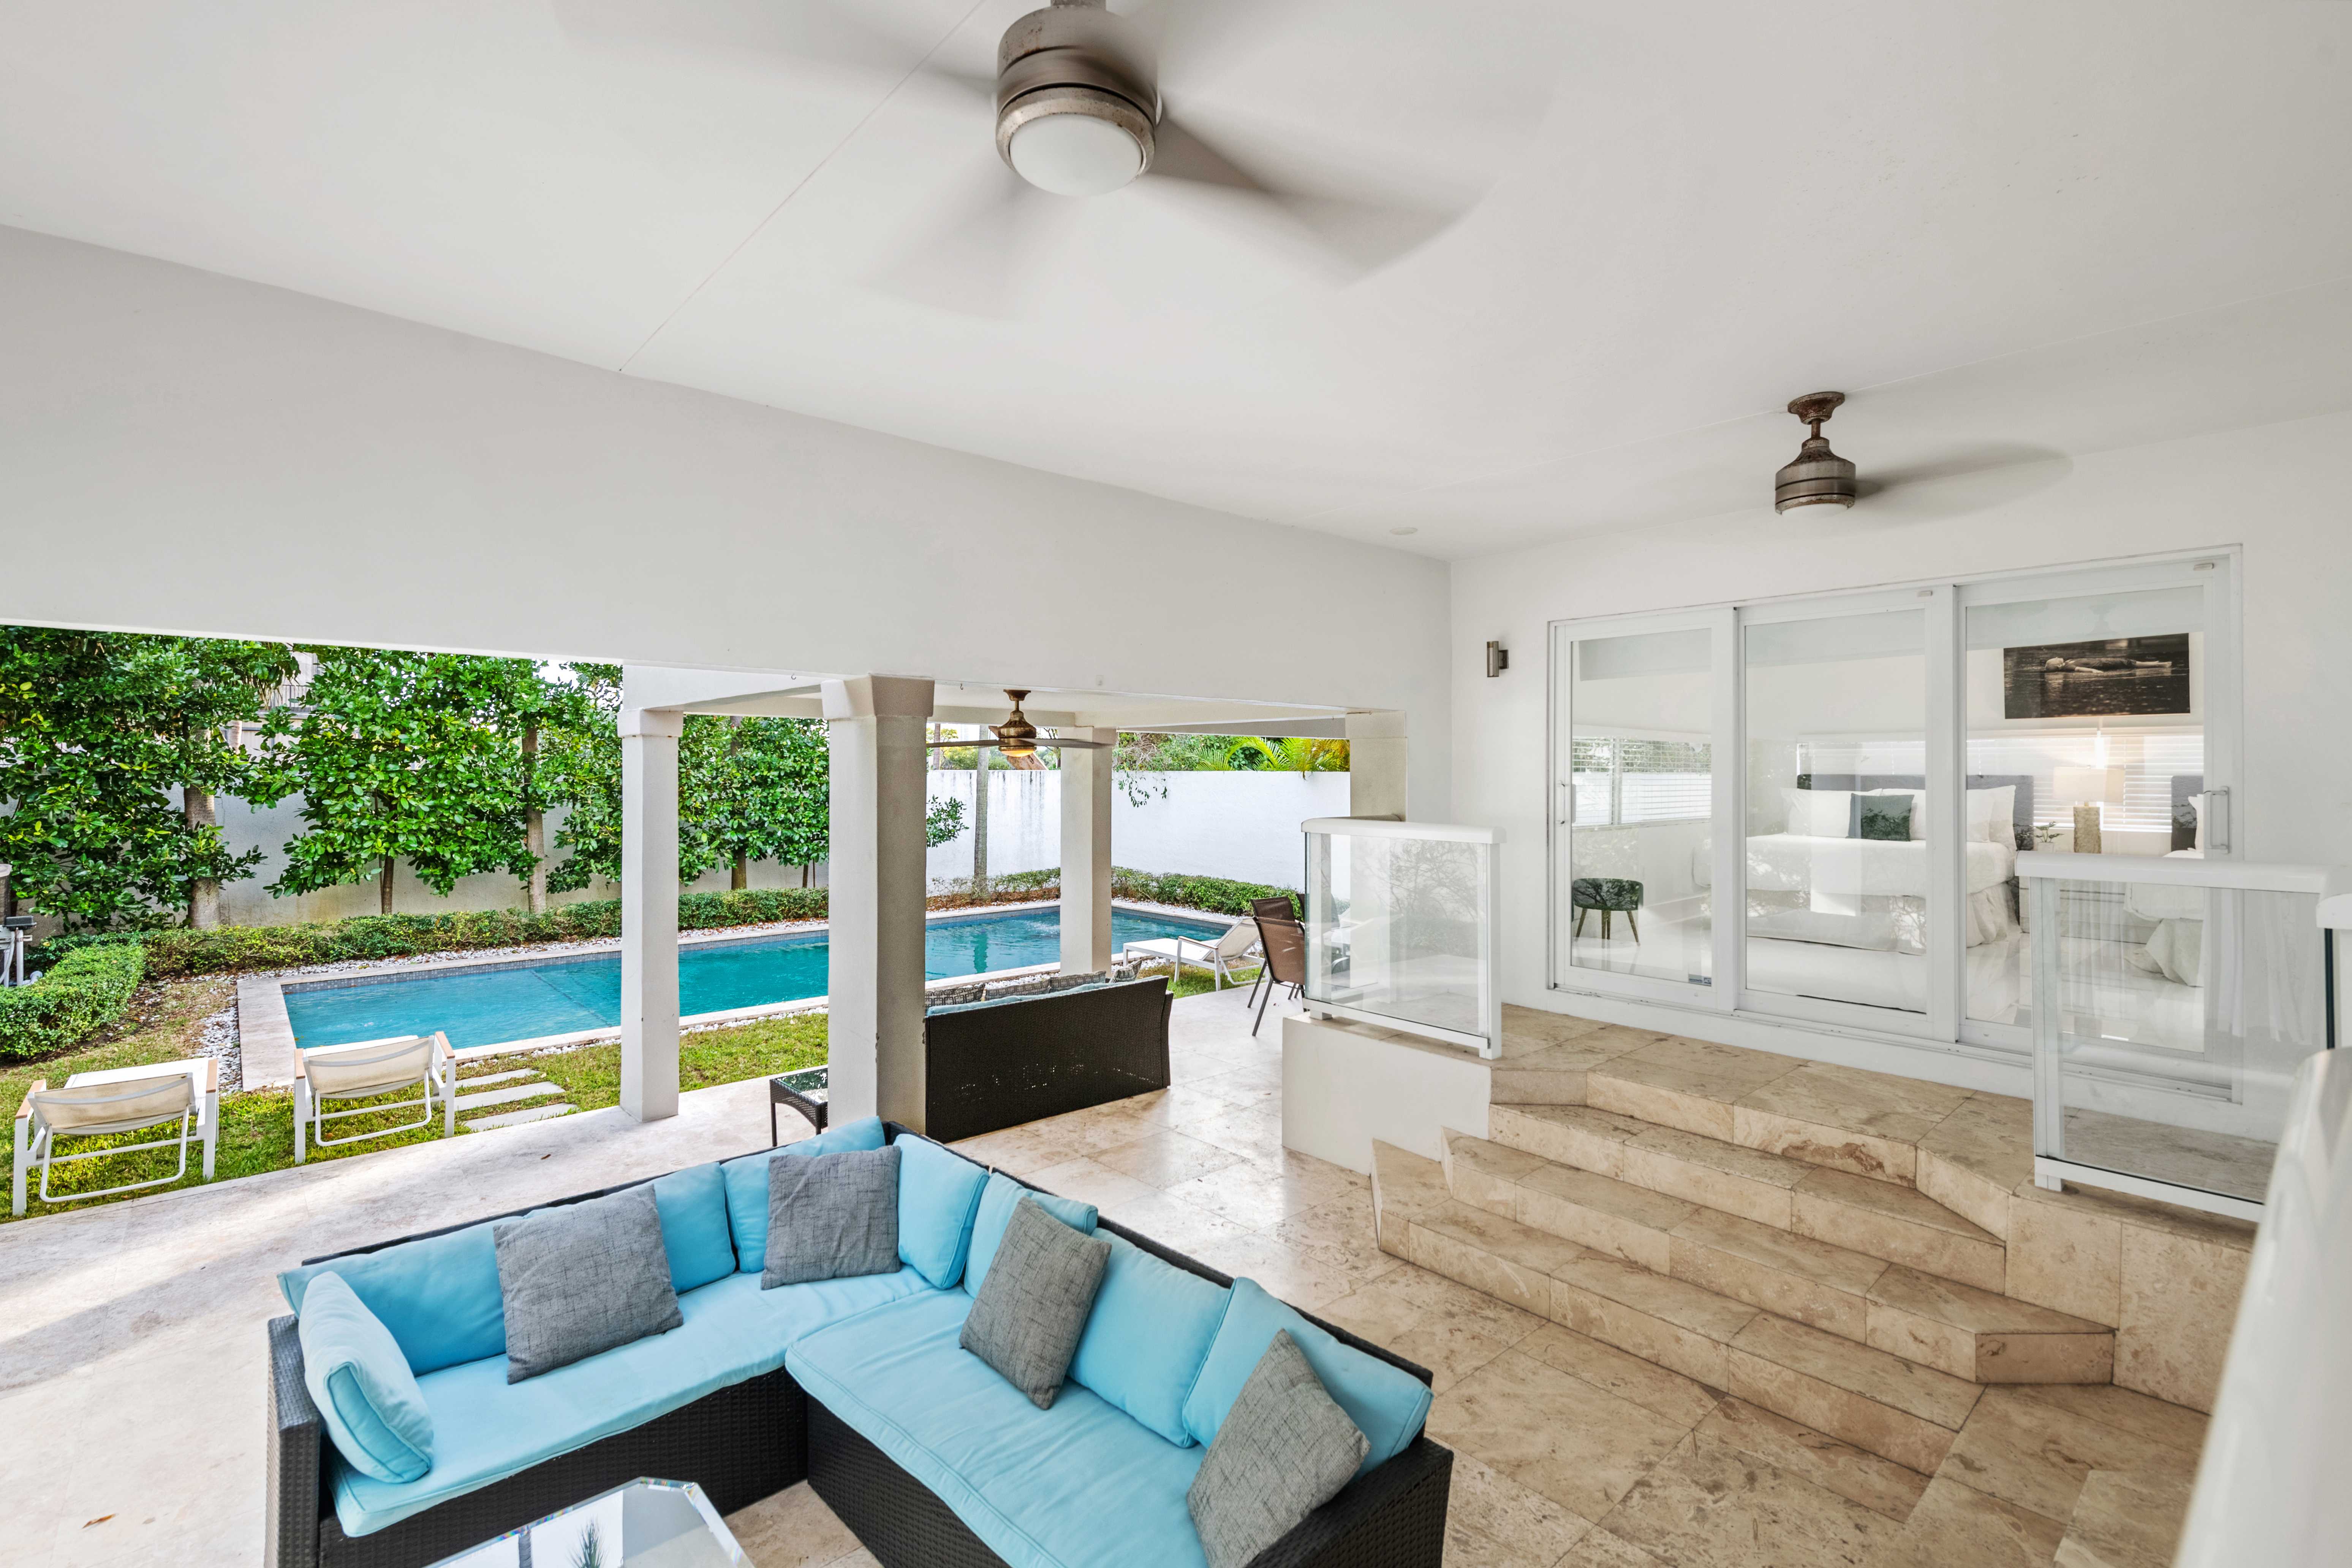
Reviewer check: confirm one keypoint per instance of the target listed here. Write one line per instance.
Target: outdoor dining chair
(1283, 942)
(120, 1100)
(365, 1071)
(1279, 907)
(1218, 958)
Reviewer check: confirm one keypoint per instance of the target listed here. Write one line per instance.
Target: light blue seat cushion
(362, 1384)
(1149, 1334)
(486, 1428)
(1387, 1404)
(996, 1201)
(1078, 1486)
(938, 1198)
(440, 1297)
(747, 1185)
(695, 1233)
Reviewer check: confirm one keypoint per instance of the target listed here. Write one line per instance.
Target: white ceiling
(1675, 218)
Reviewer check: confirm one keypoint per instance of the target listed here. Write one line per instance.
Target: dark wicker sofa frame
(756, 1438)
(1018, 1060)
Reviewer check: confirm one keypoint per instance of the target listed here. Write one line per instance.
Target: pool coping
(265, 1032)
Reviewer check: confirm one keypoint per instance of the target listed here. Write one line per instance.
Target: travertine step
(507, 1096)
(1880, 1218)
(1896, 1408)
(1939, 1323)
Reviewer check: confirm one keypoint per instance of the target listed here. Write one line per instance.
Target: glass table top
(645, 1524)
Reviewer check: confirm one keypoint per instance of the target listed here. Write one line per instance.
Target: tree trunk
(741, 877)
(981, 757)
(534, 823)
(384, 887)
(204, 892)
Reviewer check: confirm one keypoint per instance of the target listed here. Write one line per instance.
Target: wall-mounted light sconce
(1817, 477)
(1498, 659)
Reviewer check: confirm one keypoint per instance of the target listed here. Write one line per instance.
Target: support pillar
(880, 782)
(649, 911)
(1376, 760)
(1086, 853)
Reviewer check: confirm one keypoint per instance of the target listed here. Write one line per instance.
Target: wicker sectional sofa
(855, 1386)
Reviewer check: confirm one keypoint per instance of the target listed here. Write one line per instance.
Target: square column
(1376, 765)
(1086, 853)
(649, 911)
(880, 780)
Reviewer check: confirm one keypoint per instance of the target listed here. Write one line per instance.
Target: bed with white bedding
(1835, 887)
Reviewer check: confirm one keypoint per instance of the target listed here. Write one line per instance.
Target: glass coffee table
(806, 1091)
(644, 1524)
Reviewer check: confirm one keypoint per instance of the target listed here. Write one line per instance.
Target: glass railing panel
(2170, 1016)
(1400, 927)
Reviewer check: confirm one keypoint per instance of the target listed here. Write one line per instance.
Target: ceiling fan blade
(1355, 229)
(975, 264)
(1042, 743)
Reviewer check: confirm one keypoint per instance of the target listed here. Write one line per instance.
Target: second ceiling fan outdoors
(1016, 737)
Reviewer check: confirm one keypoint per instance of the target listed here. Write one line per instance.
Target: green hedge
(180, 955)
(79, 994)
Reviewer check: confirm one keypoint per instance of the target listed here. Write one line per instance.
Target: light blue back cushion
(747, 1185)
(693, 1205)
(1149, 1333)
(361, 1383)
(1386, 1403)
(996, 1201)
(439, 1297)
(939, 1195)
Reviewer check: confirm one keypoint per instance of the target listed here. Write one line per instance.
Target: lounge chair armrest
(210, 1081)
(1396, 1514)
(25, 1106)
(297, 1456)
(301, 1067)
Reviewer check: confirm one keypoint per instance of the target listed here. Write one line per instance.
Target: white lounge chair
(120, 1100)
(1218, 956)
(364, 1069)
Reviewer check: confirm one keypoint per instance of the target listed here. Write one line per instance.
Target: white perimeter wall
(2283, 492)
(1239, 825)
(181, 452)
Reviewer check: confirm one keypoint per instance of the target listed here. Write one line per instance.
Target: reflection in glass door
(1840, 884)
(1639, 790)
(2086, 733)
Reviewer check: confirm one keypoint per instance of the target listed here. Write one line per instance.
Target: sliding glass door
(1812, 809)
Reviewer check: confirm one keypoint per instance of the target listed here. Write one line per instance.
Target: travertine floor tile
(1955, 1527)
(1647, 1383)
(1519, 1521)
(1090, 1182)
(2126, 1519)
(2032, 1453)
(1162, 1159)
(1560, 1436)
(792, 1528)
(1711, 1507)
(1879, 1485)
(1600, 1549)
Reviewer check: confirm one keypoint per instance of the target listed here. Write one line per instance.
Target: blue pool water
(523, 1002)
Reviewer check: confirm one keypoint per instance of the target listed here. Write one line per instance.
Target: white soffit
(2017, 233)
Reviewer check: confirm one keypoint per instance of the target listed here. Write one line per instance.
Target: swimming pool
(494, 1003)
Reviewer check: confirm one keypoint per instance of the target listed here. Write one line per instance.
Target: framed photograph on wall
(2113, 678)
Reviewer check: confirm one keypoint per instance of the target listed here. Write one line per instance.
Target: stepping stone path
(511, 1097)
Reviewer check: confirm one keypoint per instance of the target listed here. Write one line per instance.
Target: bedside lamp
(2087, 788)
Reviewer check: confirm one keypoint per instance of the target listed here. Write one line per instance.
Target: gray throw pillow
(1032, 1308)
(583, 1279)
(831, 1217)
(1284, 1451)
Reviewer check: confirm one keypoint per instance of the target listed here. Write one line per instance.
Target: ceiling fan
(1016, 737)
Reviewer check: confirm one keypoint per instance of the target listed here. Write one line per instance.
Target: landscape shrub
(179, 955)
(80, 994)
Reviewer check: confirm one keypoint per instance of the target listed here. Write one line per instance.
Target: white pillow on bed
(1993, 815)
(1820, 813)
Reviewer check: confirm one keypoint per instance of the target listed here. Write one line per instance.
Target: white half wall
(2279, 491)
(182, 451)
(1238, 825)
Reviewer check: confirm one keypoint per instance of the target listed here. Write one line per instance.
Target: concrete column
(1086, 853)
(879, 781)
(649, 911)
(1376, 758)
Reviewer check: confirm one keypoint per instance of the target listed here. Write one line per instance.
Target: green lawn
(166, 1021)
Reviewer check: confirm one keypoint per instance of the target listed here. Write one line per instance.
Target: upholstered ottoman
(1608, 894)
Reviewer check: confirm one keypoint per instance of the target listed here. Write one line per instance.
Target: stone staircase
(1829, 1244)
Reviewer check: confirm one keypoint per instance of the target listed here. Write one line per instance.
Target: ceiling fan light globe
(1073, 153)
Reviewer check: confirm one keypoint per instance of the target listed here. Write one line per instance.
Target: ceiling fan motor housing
(1075, 59)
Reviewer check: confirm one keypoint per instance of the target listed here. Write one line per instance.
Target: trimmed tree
(98, 730)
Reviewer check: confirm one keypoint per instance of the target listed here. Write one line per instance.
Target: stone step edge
(1869, 1316)
(1750, 1372)
(1757, 1200)
(515, 1118)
